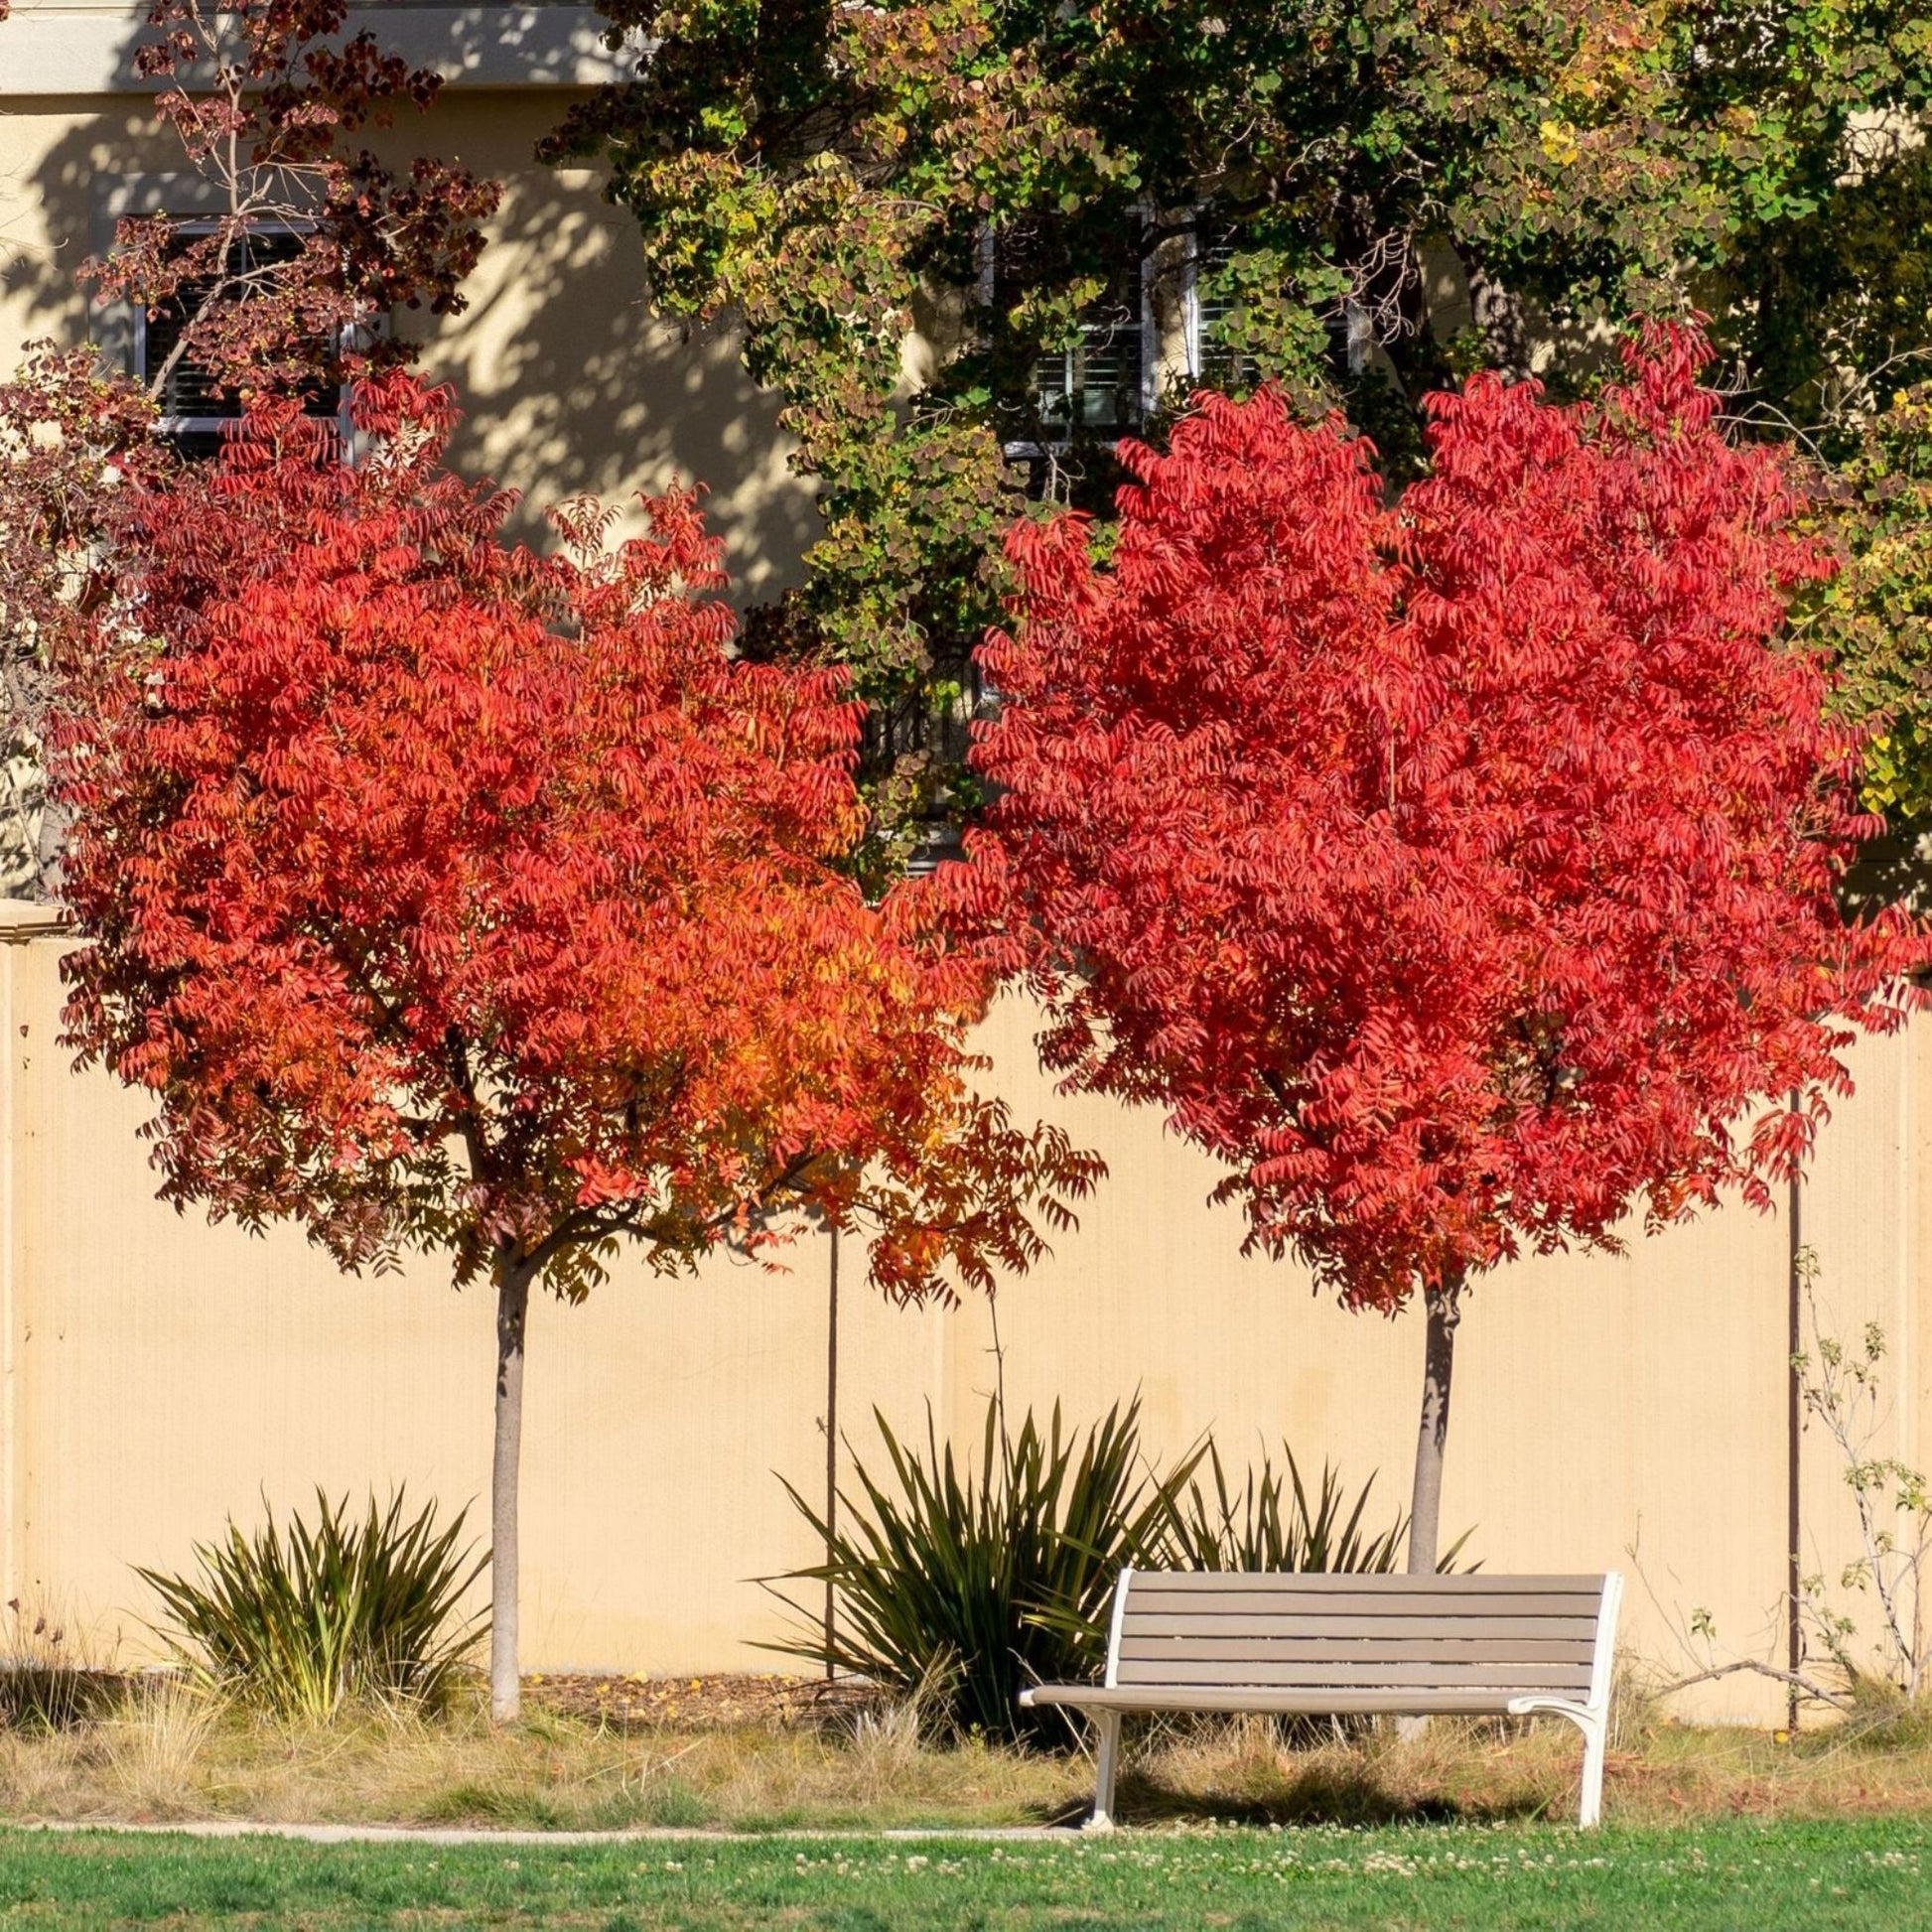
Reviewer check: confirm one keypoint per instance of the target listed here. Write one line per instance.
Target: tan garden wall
(157, 1373)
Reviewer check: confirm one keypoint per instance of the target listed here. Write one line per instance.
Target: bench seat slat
(1292, 1646)
(1151, 1598)
(1341, 1702)
(1139, 1623)
(1184, 1670)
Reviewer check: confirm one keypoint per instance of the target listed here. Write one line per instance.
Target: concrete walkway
(645, 1834)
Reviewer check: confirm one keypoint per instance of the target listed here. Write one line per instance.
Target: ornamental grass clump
(957, 1585)
(302, 1621)
(1269, 1521)
(962, 1585)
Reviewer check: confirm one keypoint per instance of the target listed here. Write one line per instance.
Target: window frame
(1194, 330)
(1045, 449)
(177, 429)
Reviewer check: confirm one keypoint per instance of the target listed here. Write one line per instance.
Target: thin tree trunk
(512, 1311)
(831, 1453)
(1444, 1307)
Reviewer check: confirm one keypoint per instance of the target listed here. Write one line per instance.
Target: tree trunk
(1444, 1307)
(513, 1311)
(52, 845)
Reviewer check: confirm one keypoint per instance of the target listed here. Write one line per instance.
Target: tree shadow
(1895, 870)
(1323, 1793)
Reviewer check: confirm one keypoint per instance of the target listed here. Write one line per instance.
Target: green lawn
(1759, 1877)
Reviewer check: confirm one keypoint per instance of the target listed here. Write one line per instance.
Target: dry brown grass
(163, 1752)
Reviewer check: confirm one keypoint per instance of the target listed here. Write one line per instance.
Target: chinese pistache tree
(1458, 872)
(446, 896)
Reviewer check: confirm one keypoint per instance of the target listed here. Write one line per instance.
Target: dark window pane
(190, 394)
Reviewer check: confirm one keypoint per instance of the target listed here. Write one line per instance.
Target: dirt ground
(701, 1703)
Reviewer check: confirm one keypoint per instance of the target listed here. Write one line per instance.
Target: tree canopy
(449, 897)
(266, 98)
(825, 178)
(1459, 872)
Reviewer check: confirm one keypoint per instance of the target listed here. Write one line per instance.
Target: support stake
(1794, 1421)
(831, 1443)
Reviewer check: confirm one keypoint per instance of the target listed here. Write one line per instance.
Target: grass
(163, 1753)
(1717, 1874)
(1461, 1827)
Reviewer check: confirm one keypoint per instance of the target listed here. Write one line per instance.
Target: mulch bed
(725, 1703)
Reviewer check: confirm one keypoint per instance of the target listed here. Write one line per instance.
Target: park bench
(1341, 1645)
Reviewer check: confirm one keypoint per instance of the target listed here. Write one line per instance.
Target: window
(1210, 305)
(1093, 391)
(1099, 383)
(195, 412)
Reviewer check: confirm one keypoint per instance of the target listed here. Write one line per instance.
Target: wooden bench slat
(1339, 1701)
(1395, 1584)
(1353, 1604)
(1184, 1670)
(1298, 1623)
(1292, 1647)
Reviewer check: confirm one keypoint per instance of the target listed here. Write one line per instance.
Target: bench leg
(1590, 1808)
(1106, 1763)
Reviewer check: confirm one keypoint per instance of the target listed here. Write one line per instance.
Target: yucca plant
(970, 1582)
(1271, 1522)
(303, 1621)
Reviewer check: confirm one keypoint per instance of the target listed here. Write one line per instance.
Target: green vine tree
(904, 208)
(1877, 614)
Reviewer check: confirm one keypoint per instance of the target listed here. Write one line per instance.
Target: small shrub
(305, 1619)
(1890, 1666)
(47, 1680)
(959, 1584)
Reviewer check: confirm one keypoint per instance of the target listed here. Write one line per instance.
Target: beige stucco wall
(570, 382)
(159, 1373)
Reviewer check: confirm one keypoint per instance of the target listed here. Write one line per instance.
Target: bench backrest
(1528, 1636)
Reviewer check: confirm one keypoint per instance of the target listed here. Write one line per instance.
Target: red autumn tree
(1459, 872)
(449, 897)
(74, 444)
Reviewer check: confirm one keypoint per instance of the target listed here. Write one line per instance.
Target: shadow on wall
(571, 384)
(1895, 870)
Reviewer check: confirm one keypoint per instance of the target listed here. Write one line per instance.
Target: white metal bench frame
(1342, 1645)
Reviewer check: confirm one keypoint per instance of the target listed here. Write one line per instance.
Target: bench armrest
(1053, 1693)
